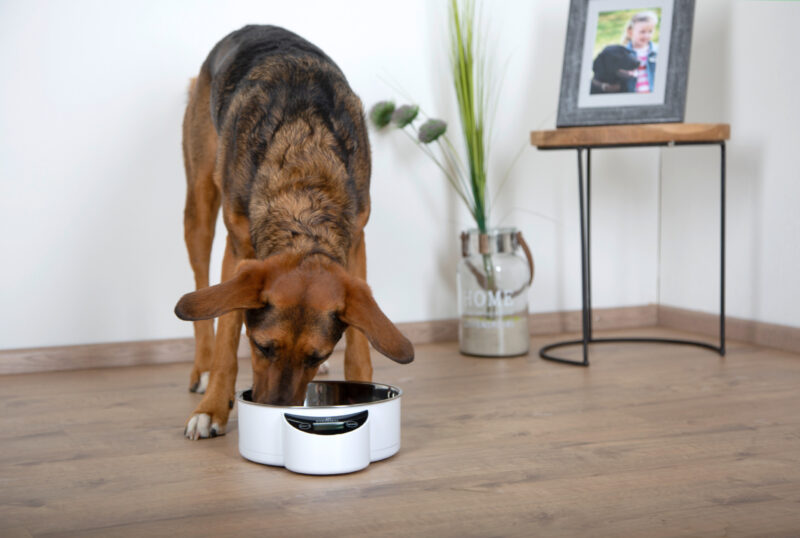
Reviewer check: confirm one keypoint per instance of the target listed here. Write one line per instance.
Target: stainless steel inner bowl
(338, 394)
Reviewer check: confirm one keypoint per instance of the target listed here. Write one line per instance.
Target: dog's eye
(315, 359)
(268, 350)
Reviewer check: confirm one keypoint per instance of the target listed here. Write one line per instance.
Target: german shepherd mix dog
(275, 135)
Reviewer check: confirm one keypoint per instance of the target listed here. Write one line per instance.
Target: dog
(275, 136)
(612, 68)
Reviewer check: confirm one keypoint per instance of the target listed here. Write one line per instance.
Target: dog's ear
(362, 312)
(244, 290)
(599, 66)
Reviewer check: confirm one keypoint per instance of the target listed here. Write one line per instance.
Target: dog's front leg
(357, 363)
(211, 416)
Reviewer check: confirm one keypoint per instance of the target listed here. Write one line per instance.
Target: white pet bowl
(341, 427)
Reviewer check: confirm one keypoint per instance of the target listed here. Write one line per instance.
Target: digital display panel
(328, 426)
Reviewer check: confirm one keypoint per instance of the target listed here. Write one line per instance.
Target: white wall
(740, 74)
(92, 187)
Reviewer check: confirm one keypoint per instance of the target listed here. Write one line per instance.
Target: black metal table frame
(586, 264)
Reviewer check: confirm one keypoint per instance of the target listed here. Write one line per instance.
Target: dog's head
(615, 62)
(295, 313)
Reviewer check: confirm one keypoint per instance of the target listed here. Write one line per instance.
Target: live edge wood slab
(631, 135)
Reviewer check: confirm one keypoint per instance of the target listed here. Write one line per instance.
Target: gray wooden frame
(569, 115)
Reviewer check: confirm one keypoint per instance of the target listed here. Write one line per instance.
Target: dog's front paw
(201, 426)
(200, 385)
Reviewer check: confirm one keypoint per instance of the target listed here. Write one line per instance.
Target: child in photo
(638, 38)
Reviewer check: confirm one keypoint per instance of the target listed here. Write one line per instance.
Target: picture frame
(600, 86)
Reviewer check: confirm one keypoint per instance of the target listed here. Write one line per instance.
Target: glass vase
(493, 280)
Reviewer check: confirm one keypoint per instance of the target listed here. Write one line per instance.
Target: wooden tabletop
(631, 135)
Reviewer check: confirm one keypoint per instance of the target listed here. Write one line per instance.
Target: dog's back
(235, 58)
(294, 152)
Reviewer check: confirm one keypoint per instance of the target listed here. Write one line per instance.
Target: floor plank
(650, 440)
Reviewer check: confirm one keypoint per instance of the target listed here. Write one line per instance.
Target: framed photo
(625, 61)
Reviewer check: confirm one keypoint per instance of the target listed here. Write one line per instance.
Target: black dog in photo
(613, 67)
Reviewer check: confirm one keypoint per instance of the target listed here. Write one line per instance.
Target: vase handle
(528, 254)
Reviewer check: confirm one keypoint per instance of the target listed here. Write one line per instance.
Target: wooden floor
(651, 440)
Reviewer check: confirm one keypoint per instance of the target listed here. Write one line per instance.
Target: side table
(585, 139)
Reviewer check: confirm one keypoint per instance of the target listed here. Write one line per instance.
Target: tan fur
(295, 258)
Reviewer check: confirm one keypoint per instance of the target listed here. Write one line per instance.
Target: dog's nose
(279, 399)
(263, 397)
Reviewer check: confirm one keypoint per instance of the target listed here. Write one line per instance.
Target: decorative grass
(473, 91)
